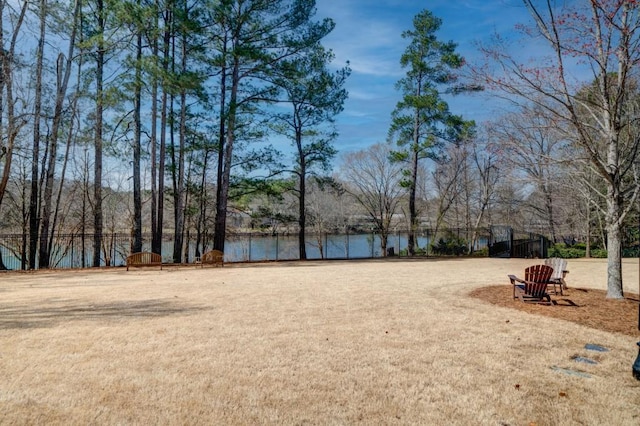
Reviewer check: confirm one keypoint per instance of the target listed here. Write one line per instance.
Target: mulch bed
(583, 306)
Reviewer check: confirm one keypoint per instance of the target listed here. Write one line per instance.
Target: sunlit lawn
(376, 342)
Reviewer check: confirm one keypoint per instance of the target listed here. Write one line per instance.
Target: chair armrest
(513, 279)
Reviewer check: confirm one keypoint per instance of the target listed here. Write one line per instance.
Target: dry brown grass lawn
(371, 342)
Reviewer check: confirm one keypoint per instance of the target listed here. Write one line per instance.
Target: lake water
(245, 248)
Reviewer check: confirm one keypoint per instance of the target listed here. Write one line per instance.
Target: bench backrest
(144, 258)
(215, 257)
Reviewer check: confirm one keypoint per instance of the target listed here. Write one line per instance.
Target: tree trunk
(44, 253)
(97, 182)
(415, 143)
(34, 210)
(587, 252)
(413, 214)
(13, 124)
(384, 240)
(179, 195)
(24, 247)
(225, 174)
(552, 225)
(222, 134)
(202, 214)
(223, 190)
(614, 244)
(302, 189)
(137, 190)
(320, 243)
(83, 213)
(200, 227)
(180, 185)
(47, 225)
(63, 174)
(476, 226)
(164, 107)
(153, 147)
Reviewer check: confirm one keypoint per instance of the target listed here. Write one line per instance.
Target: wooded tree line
(175, 115)
(185, 94)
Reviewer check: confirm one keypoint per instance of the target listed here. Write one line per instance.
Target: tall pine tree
(421, 121)
(316, 95)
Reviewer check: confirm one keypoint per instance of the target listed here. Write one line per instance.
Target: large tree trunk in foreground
(614, 244)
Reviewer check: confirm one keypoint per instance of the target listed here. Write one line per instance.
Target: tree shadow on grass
(53, 314)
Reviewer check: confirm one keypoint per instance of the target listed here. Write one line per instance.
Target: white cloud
(371, 43)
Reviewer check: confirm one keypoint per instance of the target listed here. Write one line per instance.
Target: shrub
(483, 252)
(417, 250)
(581, 246)
(580, 249)
(561, 250)
(420, 251)
(452, 245)
(599, 253)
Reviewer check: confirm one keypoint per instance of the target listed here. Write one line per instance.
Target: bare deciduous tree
(374, 181)
(603, 38)
(448, 183)
(11, 121)
(486, 177)
(326, 209)
(531, 143)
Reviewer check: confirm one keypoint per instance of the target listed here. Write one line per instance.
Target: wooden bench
(144, 258)
(213, 257)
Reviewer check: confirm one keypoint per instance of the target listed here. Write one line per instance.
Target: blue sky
(368, 34)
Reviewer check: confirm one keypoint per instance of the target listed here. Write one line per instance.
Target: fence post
(23, 257)
(511, 253)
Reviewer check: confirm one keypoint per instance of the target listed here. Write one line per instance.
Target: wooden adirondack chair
(559, 266)
(533, 288)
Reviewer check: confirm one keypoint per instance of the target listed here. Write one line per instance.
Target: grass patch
(378, 342)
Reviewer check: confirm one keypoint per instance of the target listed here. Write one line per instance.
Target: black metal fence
(505, 242)
(76, 250)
